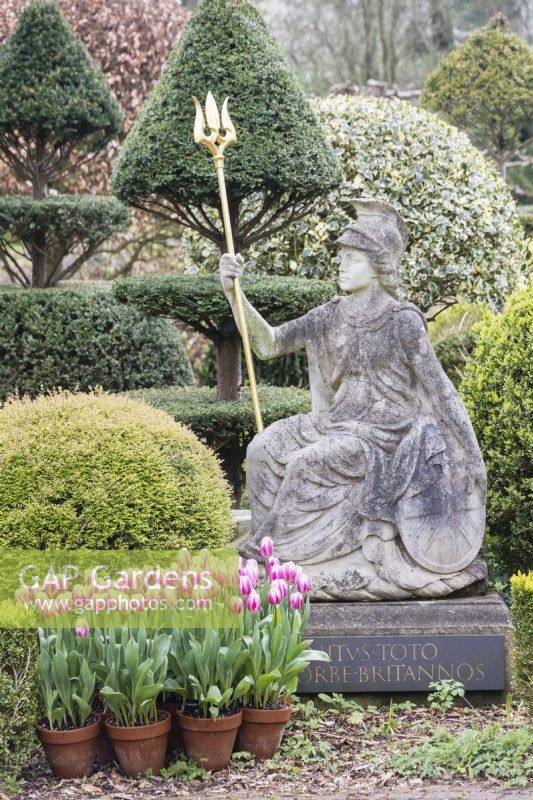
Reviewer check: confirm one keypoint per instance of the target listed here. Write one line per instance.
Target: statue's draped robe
(327, 485)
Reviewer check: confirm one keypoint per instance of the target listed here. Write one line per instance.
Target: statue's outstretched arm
(266, 341)
(439, 388)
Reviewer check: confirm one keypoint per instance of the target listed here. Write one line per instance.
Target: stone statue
(378, 492)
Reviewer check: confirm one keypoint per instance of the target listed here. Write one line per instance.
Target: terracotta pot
(104, 748)
(262, 730)
(142, 747)
(71, 753)
(209, 742)
(175, 739)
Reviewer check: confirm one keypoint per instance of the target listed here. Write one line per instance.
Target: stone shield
(442, 531)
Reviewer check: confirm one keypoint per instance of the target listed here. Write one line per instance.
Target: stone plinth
(404, 646)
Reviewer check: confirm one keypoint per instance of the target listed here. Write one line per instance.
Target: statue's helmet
(379, 228)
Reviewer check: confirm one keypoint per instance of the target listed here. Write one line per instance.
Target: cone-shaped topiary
(485, 86)
(56, 111)
(281, 157)
(102, 471)
(52, 96)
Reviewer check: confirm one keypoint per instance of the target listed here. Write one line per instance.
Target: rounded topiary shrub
(77, 340)
(102, 471)
(18, 702)
(498, 392)
(465, 239)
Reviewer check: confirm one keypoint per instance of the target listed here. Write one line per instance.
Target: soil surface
(323, 755)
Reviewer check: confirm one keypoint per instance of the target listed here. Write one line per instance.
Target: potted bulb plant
(275, 614)
(138, 730)
(69, 732)
(211, 715)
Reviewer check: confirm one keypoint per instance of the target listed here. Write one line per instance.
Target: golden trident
(216, 144)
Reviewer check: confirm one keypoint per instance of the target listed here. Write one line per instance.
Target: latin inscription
(405, 663)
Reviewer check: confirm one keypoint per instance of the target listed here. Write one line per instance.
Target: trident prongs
(216, 143)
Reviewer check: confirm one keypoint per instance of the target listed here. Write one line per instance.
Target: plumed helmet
(378, 228)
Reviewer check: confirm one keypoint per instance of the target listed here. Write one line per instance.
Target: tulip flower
(271, 560)
(251, 568)
(276, 572)
(303, 584)
(274, 595)
(254, 601)
(281, 586)
(245, 584)
(289, 570)
(296, 600)
(82, 633)
(236, 605)
(266, 548)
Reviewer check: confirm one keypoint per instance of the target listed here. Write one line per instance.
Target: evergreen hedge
(75, 339)
(227, 427)
(498, 392)
(198, 300)
(101, 471)
(522, 616)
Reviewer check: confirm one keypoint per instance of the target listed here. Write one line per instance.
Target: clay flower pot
(140, 748)
(70, 753)
(104, 748)
(209, 742)
(175, 739)
(262, 730)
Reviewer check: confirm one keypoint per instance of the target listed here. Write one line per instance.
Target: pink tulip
(245, 584)
(274, 595)
(254, 601)
(275, 572)
(296, 600)
(82, 633)
(289, 571)
(236, 605)
(281, 586)
(241, 565)
(303, 584)
(266, 548)
(251, 568)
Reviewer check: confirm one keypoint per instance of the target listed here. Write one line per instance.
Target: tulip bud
(296, 600)
(275, 572)
(254, 601)
(303, 584)
(82, 633)
(271, 560)
(245, 584)
(266, 548)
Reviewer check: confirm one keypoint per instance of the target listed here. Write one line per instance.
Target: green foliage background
(76, 339)
(485, 86)
(498, 393)
(522, 616)
(134, 479)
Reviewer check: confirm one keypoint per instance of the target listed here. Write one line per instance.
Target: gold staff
(216, 144)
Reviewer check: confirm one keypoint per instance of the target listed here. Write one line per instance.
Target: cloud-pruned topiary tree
(279, 165)
(465, 240)
(56, 112)
(485, 87)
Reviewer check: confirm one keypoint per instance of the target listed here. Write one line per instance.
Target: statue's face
(355, 270)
